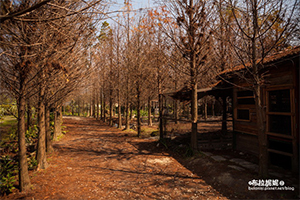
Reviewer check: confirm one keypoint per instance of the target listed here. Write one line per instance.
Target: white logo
(268, 184)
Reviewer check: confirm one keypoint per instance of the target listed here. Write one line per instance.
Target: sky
(118, 5)
(135, 3)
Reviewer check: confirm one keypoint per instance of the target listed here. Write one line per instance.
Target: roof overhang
(219, 90)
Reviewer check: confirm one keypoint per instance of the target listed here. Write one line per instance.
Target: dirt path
(94, 161)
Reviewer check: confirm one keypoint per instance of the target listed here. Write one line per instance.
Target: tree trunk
(60, 114)
(101, 103)
(131, 111)
(29, 115)
(57, 124)
(88, 110)
(78, 104)
(161, 125)
(138, 109)
(194, 111)
(104, 110)
(262, 136)
(205, 110)
(119, 110)
(24, 180)
(97, 104)
(176, 113)
(260, 112)
(127, 127)
(110, 108)
(192, 63)
(149, 112)
(72, 108)
(160, 101)
(49, 147)
(213, 108)
(83, 108)
(175, 103)
(41, 150)
(91, 108)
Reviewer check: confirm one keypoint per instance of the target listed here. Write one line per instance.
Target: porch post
(224, 118)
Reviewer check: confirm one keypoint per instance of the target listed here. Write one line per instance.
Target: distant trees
(131, 67)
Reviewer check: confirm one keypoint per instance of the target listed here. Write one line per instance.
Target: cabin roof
(268, 60)
(223, 88)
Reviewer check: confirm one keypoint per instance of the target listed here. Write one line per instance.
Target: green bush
(31, 135)
(154, 133)
(9, 110)
(8, 171)
(13, 133)
(10, 144)
(32, 163)
(2, 112)
(51, 116)
(142, 112)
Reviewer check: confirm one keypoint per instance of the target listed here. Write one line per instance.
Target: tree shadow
(229, 182)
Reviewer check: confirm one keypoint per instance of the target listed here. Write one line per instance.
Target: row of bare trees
(42, 45)
(188, 43)
(51, 48)
(131, 68)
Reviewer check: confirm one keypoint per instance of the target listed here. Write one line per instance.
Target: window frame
(244, 120)
(268, 112)
(243, 106)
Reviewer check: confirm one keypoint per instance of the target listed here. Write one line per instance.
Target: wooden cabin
(281, 101)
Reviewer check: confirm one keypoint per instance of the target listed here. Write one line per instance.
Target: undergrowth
(9, 161)
(8, 172)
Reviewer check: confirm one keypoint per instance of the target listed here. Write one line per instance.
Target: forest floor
(95, 161)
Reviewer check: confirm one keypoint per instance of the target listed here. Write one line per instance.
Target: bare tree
(191, 37)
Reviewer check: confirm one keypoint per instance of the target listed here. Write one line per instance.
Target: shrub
(32, 163)
(2, 112)
(31, 135)
(8, 171)
(9, 110)
(142, 112)
(9, 143)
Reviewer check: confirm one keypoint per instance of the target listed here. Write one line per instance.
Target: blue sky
(135, 3)
(117, 5)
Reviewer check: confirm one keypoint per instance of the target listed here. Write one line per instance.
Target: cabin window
(245, 97)
(279, 101)
(279, 112)
(280, 144)
(280, 124)
(243, 114)
(245, 93)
